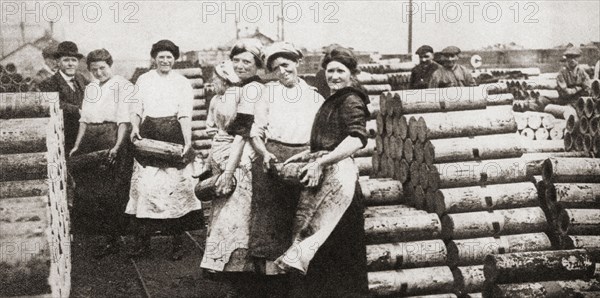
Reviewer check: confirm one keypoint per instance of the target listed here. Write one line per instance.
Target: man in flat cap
(451, 74)
(572, 80)
(70, 86)
(421, 74)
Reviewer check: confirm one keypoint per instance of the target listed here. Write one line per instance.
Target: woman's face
(286, 71)
(244, 65)
(101, 71)
(338, 76)
(164, 61)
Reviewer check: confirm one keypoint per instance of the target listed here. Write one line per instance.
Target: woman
(162, 194)
(230, 118)
(329, 245)
(104, 124)
(227, 243)
(283, 120)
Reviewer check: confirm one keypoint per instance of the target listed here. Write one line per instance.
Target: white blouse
(110, 102)
(163, 96)
(286, 114)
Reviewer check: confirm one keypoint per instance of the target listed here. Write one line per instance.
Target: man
(451, 74)
(70, 86)
(421, 74)
(572, 80)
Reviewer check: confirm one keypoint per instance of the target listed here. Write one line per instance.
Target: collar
(250, 80)
(66, 77)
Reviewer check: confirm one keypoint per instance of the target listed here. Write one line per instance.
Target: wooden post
(416, 281)
(572, 195)
(538, 265)
(468, 279)
(486, 172)
(559, 288)
(585, 170)
(477, 148)
(26, 105)
(382, 191)
(402, 228)
(159, 149)
(477, 198)
(497, 222)
(26, 135)
(404, 255)
(473, 251)
(442, 99)
(24, 188)
(23, 166)
(579, 221)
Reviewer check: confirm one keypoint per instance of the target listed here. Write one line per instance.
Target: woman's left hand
(311, 174)
(112, 154)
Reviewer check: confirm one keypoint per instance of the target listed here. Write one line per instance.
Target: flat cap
(280, 49)
(424, 49)
(451, 50)
(573, 51)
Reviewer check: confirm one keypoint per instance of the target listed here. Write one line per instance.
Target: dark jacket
(421, 74)
(70, 102)
(343, 114)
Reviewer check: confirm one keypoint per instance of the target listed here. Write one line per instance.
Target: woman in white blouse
(283, 120)
(162, 194)
(102, 192)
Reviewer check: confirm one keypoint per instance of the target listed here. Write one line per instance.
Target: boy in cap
(421, 74)
(572, 80)
(451, 74)
(70, 86)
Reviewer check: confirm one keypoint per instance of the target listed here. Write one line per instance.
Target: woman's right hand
(135, 134)
(224, 184)
(73, 151)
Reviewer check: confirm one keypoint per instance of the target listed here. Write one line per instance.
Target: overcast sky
(366, 25)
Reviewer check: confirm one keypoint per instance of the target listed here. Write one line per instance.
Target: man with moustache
(572, 80)
(451, 74)
(421, 74)
(70, 86)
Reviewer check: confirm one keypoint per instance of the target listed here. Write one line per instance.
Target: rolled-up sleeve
(261, 118)
(136, 103)
(354, 116)
(125, 104)
(186, 100)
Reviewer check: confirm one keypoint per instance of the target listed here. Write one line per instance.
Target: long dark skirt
(102, 190)
(273, 207)
(339, 268)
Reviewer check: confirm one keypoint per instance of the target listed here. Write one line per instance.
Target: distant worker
(451, 74)
(572, 80)
(421, 74)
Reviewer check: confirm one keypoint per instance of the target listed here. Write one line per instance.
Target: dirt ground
(116, 275)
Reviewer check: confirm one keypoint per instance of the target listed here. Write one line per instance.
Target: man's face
(426, 58)
(450, 60)
(572, 61)
(68, 65)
